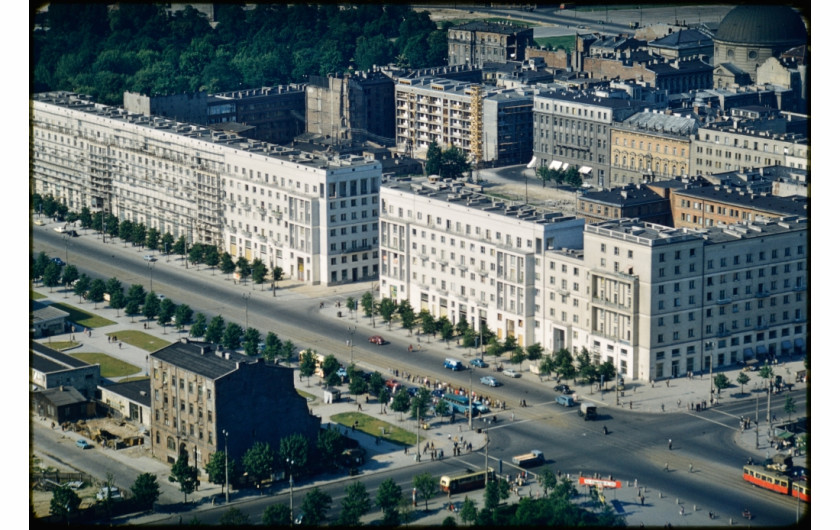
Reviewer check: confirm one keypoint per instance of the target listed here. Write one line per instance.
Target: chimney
(227, 355)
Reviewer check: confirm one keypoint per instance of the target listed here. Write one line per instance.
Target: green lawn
(555, 43)
(108, 366)
(140, 339)
(61, 345)
(34, 295)
(83, 318)
(309, 397)
(374, 426)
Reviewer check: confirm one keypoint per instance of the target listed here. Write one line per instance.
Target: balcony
(762, 294)
(723, 332)
(800, 287)
(721, 301)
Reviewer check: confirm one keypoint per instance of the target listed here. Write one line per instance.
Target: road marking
(711, 421)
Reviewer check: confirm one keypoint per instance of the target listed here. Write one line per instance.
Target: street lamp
(291, 491)
(66, 241)
(352, 332)
(166, 250)
(151, 270)
(470, 408)
(227, 487)
(246, 297)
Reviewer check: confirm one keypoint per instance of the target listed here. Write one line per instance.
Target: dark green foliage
(64, 502)
(145, 490)
(185, 475)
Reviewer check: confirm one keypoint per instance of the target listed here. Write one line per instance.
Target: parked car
(481, 407)
(489, 381)
(342, 372)
(479, 363)
(161, 297)
(412, 391)
(510, 372)
(58, 261)
(438, 393)
(102, 494)
(393, 385)
(149, 257)
(563, 388)
(83, 444)
(376, 339)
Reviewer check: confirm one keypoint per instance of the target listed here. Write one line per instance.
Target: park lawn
(61, 345)
(309, 397)
(562, 41)
(374, 426)
(83, 318)
(35, 295)
(108, 366)
(140, 339)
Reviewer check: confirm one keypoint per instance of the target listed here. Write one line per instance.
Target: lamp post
(352, 332)
(470, 407)
(486, 445)
(227, 488)
(151, 270)
(246, 297)
(166, 250)
(66, 241)
(291, 463)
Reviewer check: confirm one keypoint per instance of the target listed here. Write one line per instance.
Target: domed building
(749, 35)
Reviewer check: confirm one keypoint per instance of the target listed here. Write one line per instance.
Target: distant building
(683, 43)
(709, 206)
(62, 404)
(46, 320)
(274, 114)
(188, 107)
(49, 368)
(129, 401)
(199, 392)
(475, 43)
(635, 201)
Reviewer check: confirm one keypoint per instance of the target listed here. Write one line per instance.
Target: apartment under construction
(492, 126)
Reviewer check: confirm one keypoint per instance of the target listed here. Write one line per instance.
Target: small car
(102, 494)
(149, 257)
(58, 261)
(489, 381)
(161, 297)
(481, 407)
(393, 385)
(562, 388)
(83, 444)
(412, 391)
(376, 339)
(342, 372)
(479, 363)
(510, 372)
(438, 393)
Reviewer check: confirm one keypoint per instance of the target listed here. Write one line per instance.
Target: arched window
(170, 443)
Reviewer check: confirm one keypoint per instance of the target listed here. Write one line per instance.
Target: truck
(588, 411)
(533, 458)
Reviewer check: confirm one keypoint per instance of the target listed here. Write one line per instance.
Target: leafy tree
(215, 468)
(409, 318)
(196, 253)
(167, 243)
(260, 271)
(244, 267)
(421, 402)
(234, 517)
(69, 275)
(453, 163)
(287, 351)
(40, 263)
(183, 315)
(136, 293)
(96, 291)
(355, 504)
(790, 406)
(126, 232)
(368, 304)
(215, 329)
(277, 515)
(232, 337)
(145, 490)
(293, 453)
(185, 475)
(118, 301)
(606, 370)
(434, 157)
(547, 480)
(52, 275)
(251, 341)
(138, 234)
(226, 264)
(492, 495)
(766, 373)
(330, 445)
(358, 385)
(721, 381)
(165, 312)
(307, 364)
(469, 511)
(388, 498)
(132, 308)
(152, 238)
(85, 218)
(351, 303)
(427, 322)
(445, 328)
(259, 461)
(180, 246)
(387, 307)
(535, 351)
(276, 276)
(272, 346)
(151, 306)
(113, 285)
(211, 256)
(518, 356)
(384, 396)
(64, 503)
(315, 506)
(426, 486)
(441, 408)
(401, 402)
(375, 383)
(199, 327)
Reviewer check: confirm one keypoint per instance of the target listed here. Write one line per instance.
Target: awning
(565, 166)
(585, 170)
(748, 352)
(799, 343)
(532, 164)
(555, 164)
(761, 350)
(786, 345)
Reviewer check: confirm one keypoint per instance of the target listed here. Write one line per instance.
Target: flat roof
(793, 205)
(200, 358)
(42, 354)
(138, 391)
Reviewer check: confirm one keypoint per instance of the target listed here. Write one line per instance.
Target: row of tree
(145, 491)
(570, 176)
(143, 47)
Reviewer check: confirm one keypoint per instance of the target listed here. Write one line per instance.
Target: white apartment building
(460, 254)
(661, 302)
(315, 217)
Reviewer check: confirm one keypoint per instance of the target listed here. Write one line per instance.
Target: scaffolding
(476, 124)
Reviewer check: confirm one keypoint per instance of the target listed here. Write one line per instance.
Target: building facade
(199, 393)
(635, 201)
(462, 255)
(276, 113)
(706, 206)
(475, 43)
(314, 216)
(49, 368)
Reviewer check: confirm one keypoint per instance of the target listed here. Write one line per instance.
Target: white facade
(460, 254)
(315, 217)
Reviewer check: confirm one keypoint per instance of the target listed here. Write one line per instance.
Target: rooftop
(137, 391)
(783, 206)
(63, 395)
(48, 360)
(682, 38)
(632, 195)
(661, 122)
(201, 358)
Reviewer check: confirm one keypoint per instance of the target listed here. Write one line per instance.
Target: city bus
(466, 481)
(460, 404)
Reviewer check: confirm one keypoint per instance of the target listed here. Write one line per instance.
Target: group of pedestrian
(113, 339)
(697, 406)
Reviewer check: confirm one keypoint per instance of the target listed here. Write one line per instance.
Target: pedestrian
(449, 436)
(359, 407)
(405, 450)
(663, 406)
(631, 405)
(669, 444)
(643, 500)
(682, 510)
(679, 403)
(690, 467)
(120, 345)
(668, 383)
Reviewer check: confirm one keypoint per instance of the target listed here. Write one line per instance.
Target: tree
(52, 275)
(69, 275)
(368, 304)
(276, 276)
(226, 264)
(330, 445)
(547, 480)
(40, 263)
(766, 373)
(517, 356)
(355, 504)
(165, 312)
(427, 322)
(307, 364)
(469, 512)
(145, 490)
(790, 406)
(441, 408)
(721, 381)
(445, 328)
(180, 246)
(426, 486)
(387, 307)
(433, 159)
(136, 293)
(185, 475)
(251, 341)
(375, 383)
(260, 271)
(234, 517)
(126, 231)
(199, 327)
(64, 503)
(388, 498)
(259, 461)
(315, 506)
(244, 267)
(96, 291)
(287, 351)
(401, 402)
(151, 306)
(272, 346)
(534, 352)
(293, 452)
(132, 308)
(492, 495)
(167, 243)
(606, 370)
(152, 238)
(351, 303)
(183, 316)
(276, 515)
(420, 403)
(113, 285)
(117, 301)
(330, 366)
(215, 329)
(742, 380)
(453, 163)
(215, 467)
(383, 397)
(408, 317)
(138, 234)
(232, 337)
(196, 253)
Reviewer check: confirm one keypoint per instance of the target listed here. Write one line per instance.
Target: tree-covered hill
(103, 50)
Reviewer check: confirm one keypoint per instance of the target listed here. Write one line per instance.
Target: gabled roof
(63, 395)
(41, 356)
(200, 358)
(683, 38)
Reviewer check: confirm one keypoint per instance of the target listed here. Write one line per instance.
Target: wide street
(703, 465)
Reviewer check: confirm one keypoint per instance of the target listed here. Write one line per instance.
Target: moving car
(149, 257)
(563, 388)
(376, 339)
(479, 363)
(566, 401)
(529, 459)
(83, 444)
(58, 261)
(341, 372)
(510, 372)
(489, 381)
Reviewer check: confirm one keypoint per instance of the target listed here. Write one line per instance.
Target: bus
(778, 482)
(466, 481)
(460, 404)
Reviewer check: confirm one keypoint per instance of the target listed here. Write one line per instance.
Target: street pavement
(662, 397)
